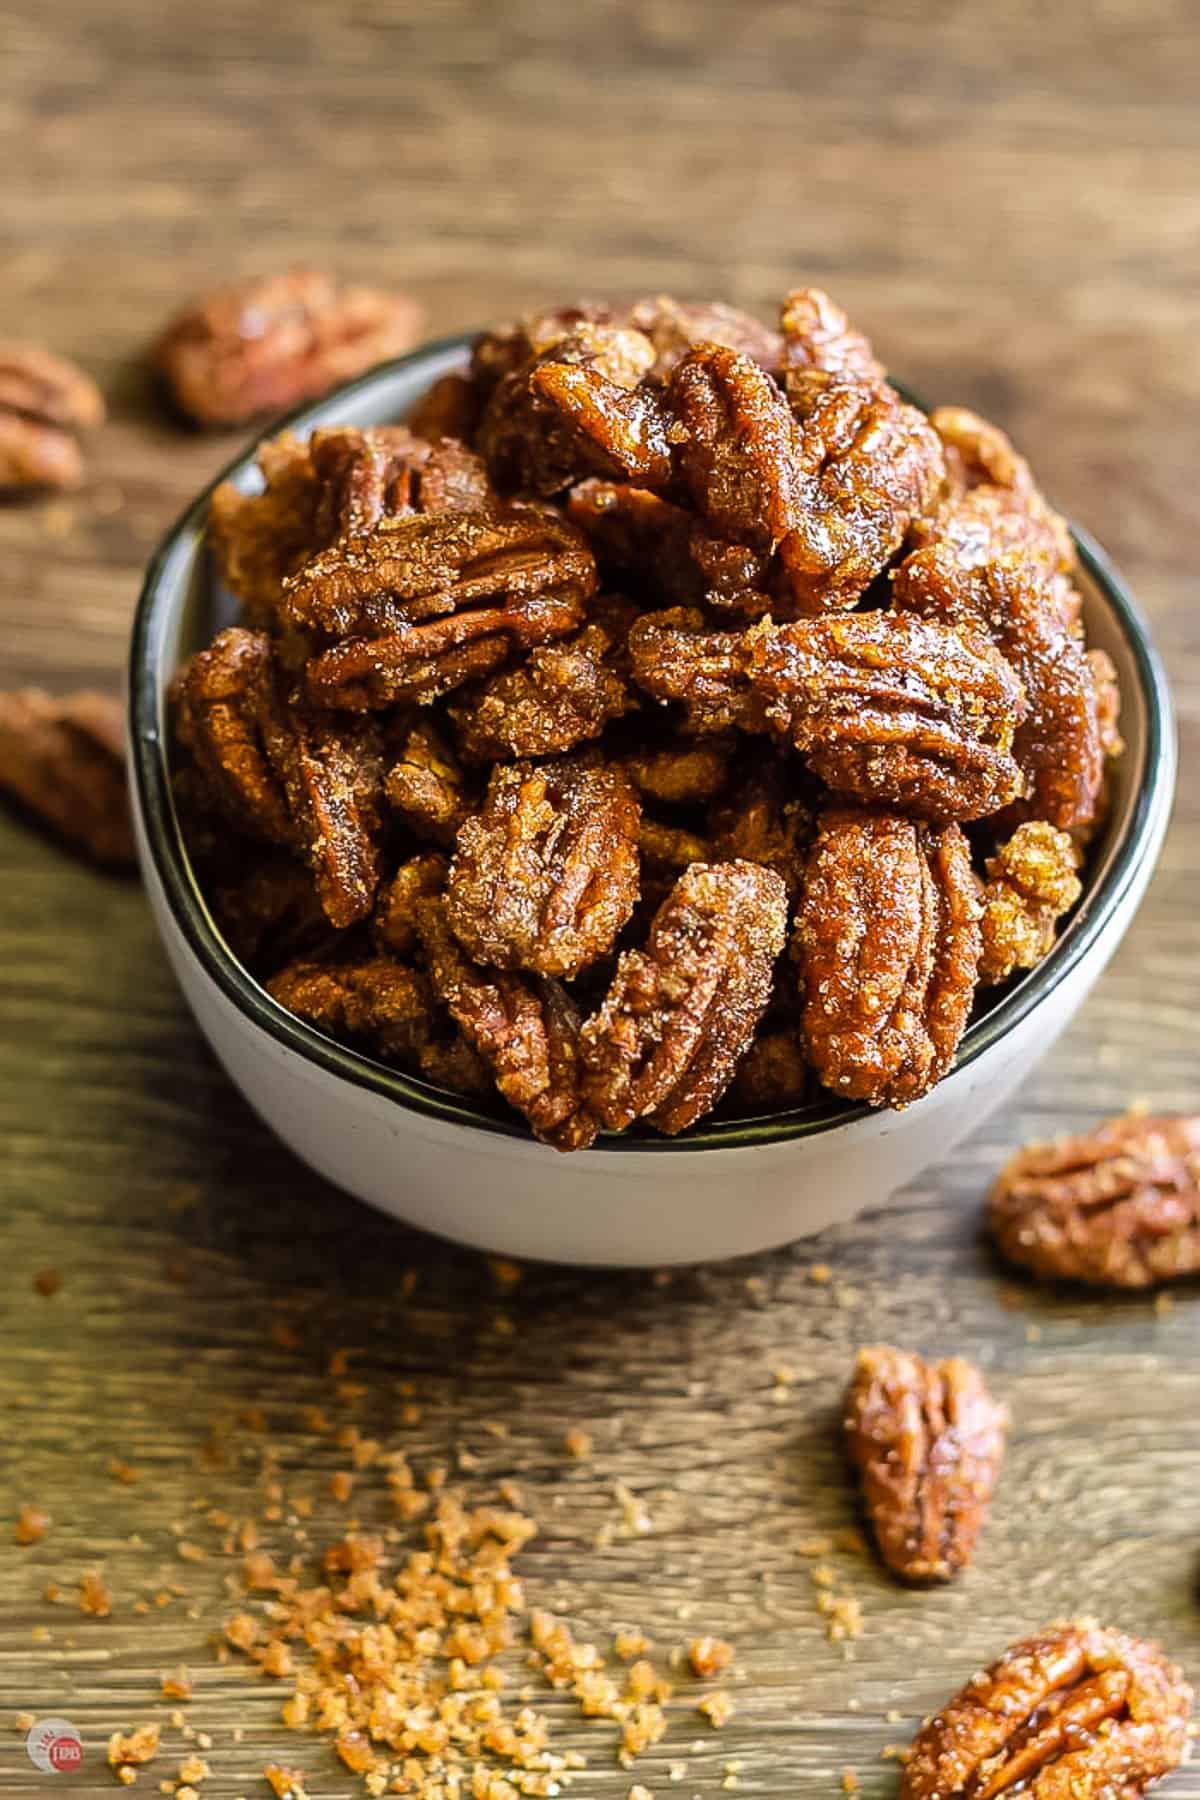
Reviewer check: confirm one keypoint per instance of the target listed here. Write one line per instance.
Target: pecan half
(675, 655)
(1078, 1712)
(818, 335)
(394, 921)
(606, 421)
(676, 326)
(1118, 1207)
(375, 1000)
(887, 946)
(526, 1029)
(263, 345)
(682, 770)
(426, 786)
(63, 760)
(736, 446)
(669, 553)
(1031, 883)
(45, 402)
(927, 1439)
(450, 408)
(682, 1010)
(765, 817)
(284, 772)
(546, 874)
(981, 459)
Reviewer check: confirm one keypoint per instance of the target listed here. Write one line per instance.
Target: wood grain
(1005, 196)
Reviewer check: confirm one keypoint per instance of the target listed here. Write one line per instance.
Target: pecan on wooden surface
(45, 403)
(927, 1440)
(1118, 1207)
(62, 759)
(263, 345)
(1078, 1712)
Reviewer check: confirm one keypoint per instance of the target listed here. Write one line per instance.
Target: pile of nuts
(669, 715)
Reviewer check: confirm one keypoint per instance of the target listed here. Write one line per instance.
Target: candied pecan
(1058, 744)
(818, 335)
(546, 874)
(1078, 1712)
(681, 771)
(676, 326)
(375, 1000)
(450, 409)
(665, 847)
(526, 1030)
(773, 1076)
(888, 707)
(266, 344)
(766, 817)
(867, 465)
(887, 945)
(506, 348)
(426, 787)
(63, 760)
(45, 402)
(667, 550)
(737, 455)
(927, 1439)
(283, 772)
(1031, 883)
(675, 656)
(561, 695)
(980, 456)
(394, 922)
(1118, 1207)
(681, 1012)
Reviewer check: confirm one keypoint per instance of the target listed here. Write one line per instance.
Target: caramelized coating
(927, 1440)
(45, 403)
(263, 345)
(448, 409)
(526, 1030)
(605, 426)
(267, 907)
(297, 778)
(737, 451)
(1031, 883)
(682, 771)
(545, 876)
(766, 817)
(63, 761)
(867, 465)
(376, 1001)
(562, 694)
(1058, 743)
(667, 551)
(1078, 1712)
(394, 921)
(674, 655)
(887, 946)
(676, 326)
(1118, 1207)
(426, 787)
(681, 1012)
(979, 456)
(773, 1076)
(818, 335)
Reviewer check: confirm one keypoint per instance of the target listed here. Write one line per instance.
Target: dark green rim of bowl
(152, 784)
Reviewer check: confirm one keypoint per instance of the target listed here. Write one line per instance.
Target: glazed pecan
(561, 695)
(773, 1076)
(980, 457)
(525, 1028)
(425, 786)
(450, 409)
(676, 326)
(737, 447)
(266, 905)
(669, 849)
(263, 345)
(765, 817)
(676, 655)
(682, 771)
(927, 1440)
(818, 335)
(681, 1011)
(1118, 1207)
(887, 946)
(45, 402)
(1011, 599)
(1031, 883)
(666, 550)
(63, 760)
(394, 921)
(546, 874)
(1078, 1712)
(283, 772)
(375, 1001)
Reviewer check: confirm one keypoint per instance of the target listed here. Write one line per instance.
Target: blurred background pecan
(45, 403)
(63, 761)
(927, 1440)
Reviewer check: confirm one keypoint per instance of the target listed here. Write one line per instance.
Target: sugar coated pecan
(736, 448)
(394, 921)
(266, 904)
(818, 335)
(1078, 1712)
(675, 655)
(1118, 1207)
(979, 456)
(766, 817)
(675, 326)
(375, 1001)
(927, 1440)
(682, 1010)
(45, 403)
(773, 1076)
(669, 553)
(263, 345)
(425, 786)
(525, 1028)
(682, 771)
(63, 760)
(546, 874)
(285, 772)
(1031, 883)
(887, 946)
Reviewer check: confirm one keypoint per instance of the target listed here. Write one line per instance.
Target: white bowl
(470, 1171)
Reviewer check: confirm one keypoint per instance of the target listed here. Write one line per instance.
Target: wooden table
(1005, 197)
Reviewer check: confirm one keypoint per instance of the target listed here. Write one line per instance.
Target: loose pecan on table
(263, 345)
(63, 760)
(887, 949)
(45, 403)
(1118, 1207)
(1078, 1712)
(927, 1440)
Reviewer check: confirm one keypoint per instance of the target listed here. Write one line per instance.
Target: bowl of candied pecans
(641, 733)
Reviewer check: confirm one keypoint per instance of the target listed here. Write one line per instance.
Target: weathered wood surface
(1006, 197)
